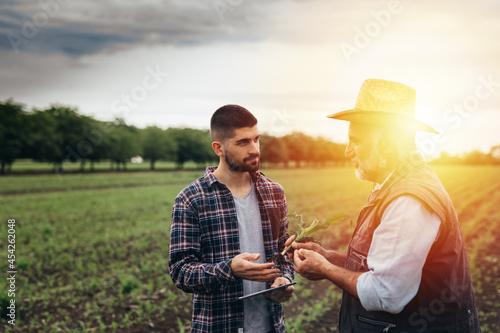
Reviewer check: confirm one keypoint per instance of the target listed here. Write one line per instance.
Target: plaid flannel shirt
(204, 238)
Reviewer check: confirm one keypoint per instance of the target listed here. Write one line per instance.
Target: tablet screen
(267, 290)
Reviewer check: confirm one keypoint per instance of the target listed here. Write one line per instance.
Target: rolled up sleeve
(398, 251)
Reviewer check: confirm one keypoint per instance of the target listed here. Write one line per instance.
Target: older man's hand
(304, 245)
(310, 264)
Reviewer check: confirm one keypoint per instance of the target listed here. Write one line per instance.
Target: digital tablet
(265, 291)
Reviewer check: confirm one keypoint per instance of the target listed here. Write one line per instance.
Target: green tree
(332, 152)
(157, 144)
(274, 150)
(476, 157)
(43, 142)
(495, 154)
(95, 133)
(192, 145)
(203, 152)
(68, 136)
(11, 132)
(122, 144)
(298, 147)
(57, 134)
(446, 158)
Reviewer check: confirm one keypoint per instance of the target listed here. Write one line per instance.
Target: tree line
(59, 133)
(474, 157)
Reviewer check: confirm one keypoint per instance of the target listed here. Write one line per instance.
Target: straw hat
(385, 103)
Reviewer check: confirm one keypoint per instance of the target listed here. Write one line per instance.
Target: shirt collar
(378, 186)
(400, 172)
(211, 179)
(376, 189)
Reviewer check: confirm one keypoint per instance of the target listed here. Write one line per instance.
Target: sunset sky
(172, 63)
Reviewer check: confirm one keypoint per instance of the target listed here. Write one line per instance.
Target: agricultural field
(92, 249)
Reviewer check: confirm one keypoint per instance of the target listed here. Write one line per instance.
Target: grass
(92, 249)
(24, 165)
(80, 181)
(88, 250)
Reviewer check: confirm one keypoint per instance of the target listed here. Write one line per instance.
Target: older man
(406, 269)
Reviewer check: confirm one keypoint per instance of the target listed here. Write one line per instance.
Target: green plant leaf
(314, 228)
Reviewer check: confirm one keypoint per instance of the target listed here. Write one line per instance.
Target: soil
(487, 289)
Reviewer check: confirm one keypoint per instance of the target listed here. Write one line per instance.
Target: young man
(226, 227)
(406, 269)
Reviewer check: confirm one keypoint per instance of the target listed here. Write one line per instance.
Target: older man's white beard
(367, 170)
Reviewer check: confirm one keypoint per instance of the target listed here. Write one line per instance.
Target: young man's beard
(237, 166)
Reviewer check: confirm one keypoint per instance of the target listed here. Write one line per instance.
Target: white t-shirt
(257, 310)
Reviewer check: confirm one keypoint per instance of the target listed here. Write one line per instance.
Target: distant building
(136, 159)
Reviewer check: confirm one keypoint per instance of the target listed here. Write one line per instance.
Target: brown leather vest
(445, 298)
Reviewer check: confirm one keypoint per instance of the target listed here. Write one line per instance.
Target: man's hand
(281, 295)
(304, 245)
(242, 267)
(310, 264)
(334, 257)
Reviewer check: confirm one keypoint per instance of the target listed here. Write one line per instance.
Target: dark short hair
(227, 119)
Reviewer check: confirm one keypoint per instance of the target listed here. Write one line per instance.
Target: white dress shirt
(397, 254)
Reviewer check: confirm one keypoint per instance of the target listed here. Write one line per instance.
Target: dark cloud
(73, 40)
(80, 28)
(77, 29)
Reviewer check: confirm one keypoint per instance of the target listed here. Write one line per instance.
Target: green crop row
(92, 249)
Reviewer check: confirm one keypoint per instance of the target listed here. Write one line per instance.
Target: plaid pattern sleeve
(204, 238)
(193, 274)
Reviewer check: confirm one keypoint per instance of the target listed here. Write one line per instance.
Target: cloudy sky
(290, 62)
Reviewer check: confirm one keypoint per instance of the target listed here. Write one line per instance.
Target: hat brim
(383, 119)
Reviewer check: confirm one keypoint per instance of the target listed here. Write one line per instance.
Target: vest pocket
(385, 326)
(357, 261)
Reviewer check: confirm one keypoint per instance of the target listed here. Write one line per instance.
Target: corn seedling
(304, 233)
